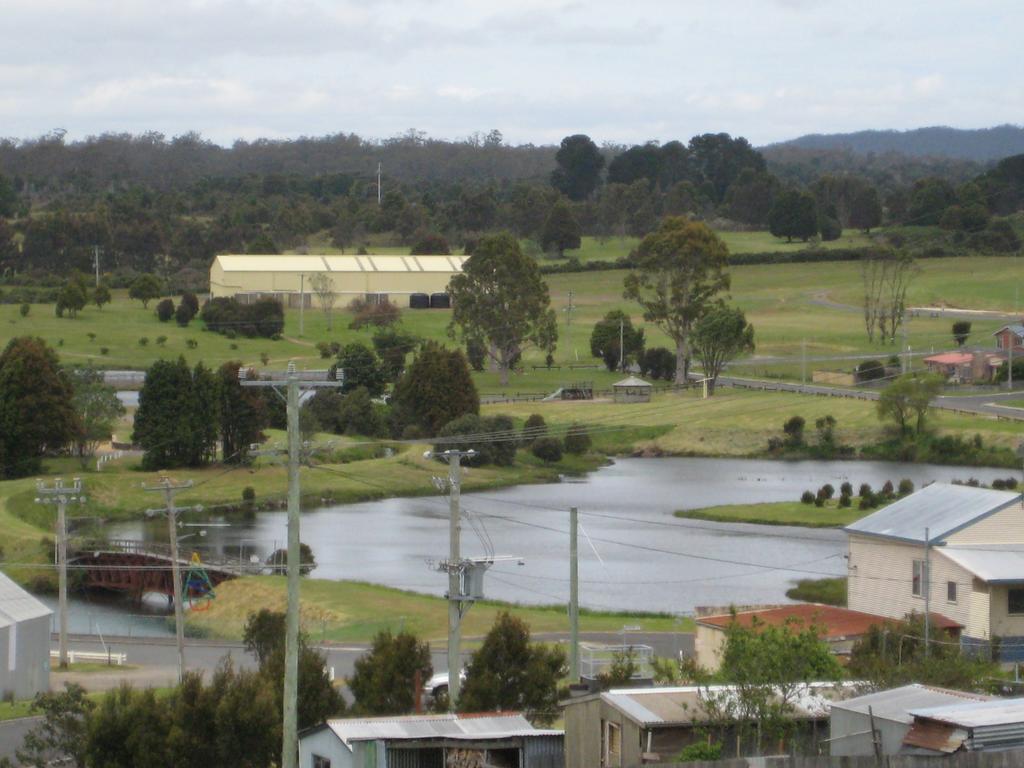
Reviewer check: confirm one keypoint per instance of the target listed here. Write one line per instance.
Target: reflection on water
(633, 553)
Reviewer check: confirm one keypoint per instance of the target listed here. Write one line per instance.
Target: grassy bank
(827, 591)
(779, 513)
(354, 612)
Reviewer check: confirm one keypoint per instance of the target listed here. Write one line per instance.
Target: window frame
(321, 762)
(952, 588)
(917, 578)
(1009, 601)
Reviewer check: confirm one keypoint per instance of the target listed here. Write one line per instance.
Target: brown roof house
(840, 627)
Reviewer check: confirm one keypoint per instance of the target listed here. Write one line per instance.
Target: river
(634, 555)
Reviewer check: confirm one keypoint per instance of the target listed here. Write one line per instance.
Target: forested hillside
(979, 145)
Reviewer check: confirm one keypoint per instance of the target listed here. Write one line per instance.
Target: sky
(622, 71)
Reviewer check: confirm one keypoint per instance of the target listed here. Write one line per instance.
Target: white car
(437, 685)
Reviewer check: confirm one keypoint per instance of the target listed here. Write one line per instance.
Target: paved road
(12, 732)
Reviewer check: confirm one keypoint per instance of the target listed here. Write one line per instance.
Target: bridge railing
(208, 557)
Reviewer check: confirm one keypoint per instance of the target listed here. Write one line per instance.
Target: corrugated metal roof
(950, 358)
(895, 704)
(837, 623)
(18, 605)
(1017, 328)
(977, 714)
(935, 737)
(993, 563)
(943, 508)
(481, 727)
(311, 264)
(632, 381)
(683, 705)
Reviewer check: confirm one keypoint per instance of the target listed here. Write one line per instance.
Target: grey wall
(25, 658)
(325, 744)
(844, 722)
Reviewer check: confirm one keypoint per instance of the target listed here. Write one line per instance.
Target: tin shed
(631, 390)
(24, 642)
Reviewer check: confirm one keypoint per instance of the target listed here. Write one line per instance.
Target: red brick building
(1008, 335)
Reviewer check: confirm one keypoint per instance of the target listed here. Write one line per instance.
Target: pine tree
(435, 389)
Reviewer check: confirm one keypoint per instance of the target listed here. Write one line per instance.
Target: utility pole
(168, 487)
(96, 263)
(302, 303)
(291, 383)
(906, 348)
(455, 567)
(378, 183)
(574, 597)
(926, 578)
(61, 495)
(803, 361)
(568, 318)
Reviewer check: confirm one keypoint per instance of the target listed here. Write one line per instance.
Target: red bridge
(138, 567)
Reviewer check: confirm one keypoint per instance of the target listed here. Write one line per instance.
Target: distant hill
(981, 145)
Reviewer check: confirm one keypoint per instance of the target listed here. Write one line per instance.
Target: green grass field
(787, 304)
(779, 513)
(351, 611)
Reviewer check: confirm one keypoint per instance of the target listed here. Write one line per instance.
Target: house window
(612, 746)
(950, 591)
(917, 581)
(1015, 601)
(321, 762)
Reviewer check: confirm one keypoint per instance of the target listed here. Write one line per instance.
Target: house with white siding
(959, 546)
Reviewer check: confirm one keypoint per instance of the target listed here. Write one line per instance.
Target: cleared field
(354, 612)
(733, 422)
(779, 513)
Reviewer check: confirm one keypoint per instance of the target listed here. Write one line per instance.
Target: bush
(190, 300)
(828, 491)
(378, 313)
(819, 499)
(547, 449)
(870, 370)
(864, 490)
(164, 310)
(888, 491)
(24, 309)
(794, 429)
(577, 440)
(477, 438)
(143, 341)
(867, 501)
(161, 340)
(658, 363)
(807, 497)
(191, 343)
(264, 317)
(699, 751)
(844, 501)
(846, 489)
(324, 349)
(104, 350)
(183, 315)
(248, 495)
(535, 427)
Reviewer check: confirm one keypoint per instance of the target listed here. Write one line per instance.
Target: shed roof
(1017, 328)
(484, 727)
(18, 605)
(896, 703)
(838, 623)
(976, 714)
(632, 381)
(950, 358)
(683, 705)
(943, 508)
(311, 264)
(992, 563)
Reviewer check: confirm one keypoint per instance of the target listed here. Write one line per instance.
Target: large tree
(580, 163)
(176, 422)
(508, 672)
(499, 299)
(98, 409)
(242, 414)
(361, 368)
(145, 288)
(793, 214)
(435, 389)
(323, 287)
(680, 269)
(719, 336)
(865, 209)
(614, 327)
(37, 414)
(561, 230)
(384, 680)
(886, 275)
(906, 401)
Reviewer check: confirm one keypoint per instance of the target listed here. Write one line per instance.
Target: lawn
(351, 611)
(779, 513)
(733, 422)
(788, 305)
(1012, 403)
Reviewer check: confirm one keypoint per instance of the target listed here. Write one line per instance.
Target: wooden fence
(1007, 759)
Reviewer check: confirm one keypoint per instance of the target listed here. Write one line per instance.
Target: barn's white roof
(992, 563)
(442, 726)
(897, 703)
(17, 605)
(942, 508)
(311, 264)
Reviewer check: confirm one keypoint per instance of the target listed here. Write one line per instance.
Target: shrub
(844, 501)
(264, 358)
(248, 495)
(264, 317)
(775, 444)
(164, 310)
(324, 349)
(25, 309)
(91, 335)
(379, 313)
(699, 751)
(867, 501)
(888, 491)
(577, 439)
(191, 343)
(794, 429)
(807, 497)
(906, 486)
(232, 346)
(547, 449)
(658, 363)
(846, 489)
(161, 340)
(183, 315)
(864, 490)
(819, 500)
(828, 491)
(143, 341)
(190, 300)
(104, 350)
(870, 370)
(535, 427)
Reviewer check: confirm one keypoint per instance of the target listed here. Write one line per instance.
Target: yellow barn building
(286, 278)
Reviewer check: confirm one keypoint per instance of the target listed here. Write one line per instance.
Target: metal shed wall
(25, 657)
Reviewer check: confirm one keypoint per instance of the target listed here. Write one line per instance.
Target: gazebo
(632, 390)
